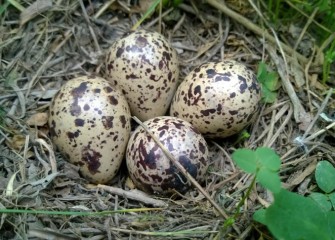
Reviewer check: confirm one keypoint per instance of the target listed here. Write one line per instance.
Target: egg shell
(89, 123)
(218, 98)
(148, 166)
(145, 67)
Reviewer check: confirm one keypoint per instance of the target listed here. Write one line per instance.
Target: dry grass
(44, 45)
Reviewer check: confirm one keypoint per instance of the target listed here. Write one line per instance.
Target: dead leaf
(305, 121)
(38, 119)
(298, 178)
(17, 142)
(297, 72)
(129, 183)
(314, 82)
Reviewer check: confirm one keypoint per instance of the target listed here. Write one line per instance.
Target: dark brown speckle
(91, 159)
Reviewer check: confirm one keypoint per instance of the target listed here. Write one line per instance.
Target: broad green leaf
(330, 56)
(268, 79)
(259, 216)
(246, 159)
(268, 158)
(325, 176)
(332, 199)
(261, 72)
(269, 179)
(271, 81)
(268, 96)
(292, 217)
(322, 200)
(331, 223)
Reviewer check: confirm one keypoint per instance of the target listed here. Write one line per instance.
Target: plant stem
(231, 220)
(251, 186)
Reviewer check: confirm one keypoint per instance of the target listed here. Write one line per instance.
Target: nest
(45, 43)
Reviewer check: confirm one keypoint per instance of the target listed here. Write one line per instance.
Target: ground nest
(45, 43)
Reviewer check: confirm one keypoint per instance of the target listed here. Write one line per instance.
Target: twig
(281, 128)
(95, 40)
(134, 195)
(322, 107)
(299, 111)
(310, 20)
(61, 40)
(320, 132)
(52, 157)
(307, 81)
(103, 8)
(248, 24)
(307, 16)
(153, 22)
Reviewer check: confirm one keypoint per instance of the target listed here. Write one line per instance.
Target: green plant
(291, 216)
(263, 162)
(288, 12)
(329, 58)
(285, 12)
(269, 82)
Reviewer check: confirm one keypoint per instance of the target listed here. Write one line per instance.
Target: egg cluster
(89, 118)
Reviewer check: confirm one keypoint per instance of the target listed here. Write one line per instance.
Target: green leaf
(292, 216)
(246, 159)
(331, 223)
(259, 216)
(325, 176)
(269, 179)
(332, 199)
(261, 72)
(268, 158)
(322, 200)
(268, 79)
(271, 82)
(176, 3)
(268, 96)
(324, 5)
(330, 56)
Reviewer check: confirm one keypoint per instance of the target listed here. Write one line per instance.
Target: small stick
(103, 9)
(322, 107)
(95, 40)
(59, 42)
(182, 169)
(300, 113)
(248, 24)
(134, 195)
(310, 20)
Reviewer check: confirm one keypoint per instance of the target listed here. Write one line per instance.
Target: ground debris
(45, 43)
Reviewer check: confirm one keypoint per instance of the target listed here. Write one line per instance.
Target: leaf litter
(45, 43)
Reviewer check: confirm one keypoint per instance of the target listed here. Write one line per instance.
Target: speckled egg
(148, 166)
(218, 98)
(89, 123)
(145, 67)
